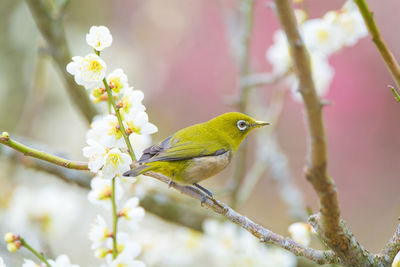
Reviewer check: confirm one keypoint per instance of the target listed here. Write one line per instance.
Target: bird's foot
(171, 183)
(208, 192)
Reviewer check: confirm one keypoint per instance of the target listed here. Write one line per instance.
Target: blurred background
(179, 53)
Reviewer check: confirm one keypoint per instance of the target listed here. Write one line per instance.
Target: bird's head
(235, 126)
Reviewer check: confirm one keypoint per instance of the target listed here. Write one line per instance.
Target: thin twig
(37, 254)
(169, 209)
(387, 56)
(121, 124)
(115, 220)
(246, 13)
(31, 152)
(263, 234)
(51, 26)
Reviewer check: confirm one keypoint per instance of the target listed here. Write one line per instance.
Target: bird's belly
(204, 167)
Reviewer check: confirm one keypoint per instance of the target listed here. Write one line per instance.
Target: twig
(316, 171)
(37, 254)
(269, 157)
(246, 12)
(51, 26)
(169, 209)
(31, 152)
(387, 56)
(121, 124)
(263, 234)
(115, 220)
(261, 79)
(395, 93)
(352, 254)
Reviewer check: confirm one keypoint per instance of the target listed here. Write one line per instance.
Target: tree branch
(387, 56)
(31, 152)
(246, 13)
(169, 209)
(263, 234)
(316, 171)
(51, 26)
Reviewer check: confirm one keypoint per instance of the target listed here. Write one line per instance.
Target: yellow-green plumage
(198, 151)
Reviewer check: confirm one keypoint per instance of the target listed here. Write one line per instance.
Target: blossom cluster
(322, 37)
(220, 244)
(108, 142)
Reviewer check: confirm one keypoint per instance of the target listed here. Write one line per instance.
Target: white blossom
(62, 261)
(301, 233)
(139, 123)
(99, 232)
(101, 191)
(139, 143)
(321, 36)
(89, 71)
(127, 248)
(132, 212)
(322, 74)
(95, 153)
(51, 210)
(278, 54)
(118, 81)
(106, 131)
(116, 163)
(131, 102)
(99, 37)
(2, 264)
(352, 26)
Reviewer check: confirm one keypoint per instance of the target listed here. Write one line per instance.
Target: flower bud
(9, 237)
(12, 247)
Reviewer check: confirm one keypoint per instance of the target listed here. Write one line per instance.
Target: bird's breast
(202, 168)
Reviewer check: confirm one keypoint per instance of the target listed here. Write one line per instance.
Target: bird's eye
(242, 125)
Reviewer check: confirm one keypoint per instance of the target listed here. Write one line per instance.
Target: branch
(353, 253)
(246, 12)
(263, 234)
(169, 209)
(380, 44)
(31, 152)
(51, 26)
(316, 171)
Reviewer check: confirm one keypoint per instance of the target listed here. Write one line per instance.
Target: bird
(197, 152)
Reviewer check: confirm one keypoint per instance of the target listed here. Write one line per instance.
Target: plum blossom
(106, 131)
(101, 191)
(99, 37)
(95, 153)
(132, 212)
(139, 123)
(116, 163)
(99, 232)
(117, 81)
(301, 233)
(88, 71)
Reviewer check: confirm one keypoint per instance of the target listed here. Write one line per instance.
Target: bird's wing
(173, 150)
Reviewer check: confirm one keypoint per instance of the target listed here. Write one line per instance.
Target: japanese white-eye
(199, 151)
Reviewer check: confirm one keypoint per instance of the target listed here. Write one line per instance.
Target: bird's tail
(138, 170)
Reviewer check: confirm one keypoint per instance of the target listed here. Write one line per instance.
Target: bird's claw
(170, 184)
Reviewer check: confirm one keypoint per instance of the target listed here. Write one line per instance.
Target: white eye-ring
(242, 125)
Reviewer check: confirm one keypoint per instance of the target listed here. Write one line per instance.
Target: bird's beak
(257, 124)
